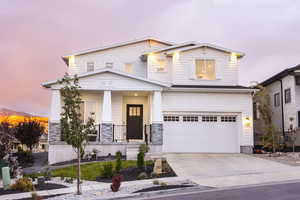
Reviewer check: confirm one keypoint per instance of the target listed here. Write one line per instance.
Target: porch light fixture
(233, 58)
(247, 122)
(135, 94)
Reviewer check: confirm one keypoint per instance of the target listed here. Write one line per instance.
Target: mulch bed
(46, 186)
(158, 188)
(131, 174)
(102, 158)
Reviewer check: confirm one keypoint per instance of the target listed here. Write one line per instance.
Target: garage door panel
(215, 137)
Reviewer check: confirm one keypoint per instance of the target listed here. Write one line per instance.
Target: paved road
(288, 191)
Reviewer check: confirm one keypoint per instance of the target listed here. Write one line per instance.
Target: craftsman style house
(175, 97)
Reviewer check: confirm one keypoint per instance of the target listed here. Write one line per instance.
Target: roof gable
(103, 71)
(280, 75)
(201, 45)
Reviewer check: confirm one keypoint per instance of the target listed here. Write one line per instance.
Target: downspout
(282, 111)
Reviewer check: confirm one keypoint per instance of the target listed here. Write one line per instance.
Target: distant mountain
(8, 112)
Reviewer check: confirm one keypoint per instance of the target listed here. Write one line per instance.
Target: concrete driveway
(225, 170)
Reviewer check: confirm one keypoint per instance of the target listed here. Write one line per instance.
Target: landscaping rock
(157, 166)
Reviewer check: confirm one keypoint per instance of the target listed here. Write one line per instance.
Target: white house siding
(184, 65)
(240, 103)
(118, 56)
(276, 117)
(94, 97)
(289, 108)
(153, 74)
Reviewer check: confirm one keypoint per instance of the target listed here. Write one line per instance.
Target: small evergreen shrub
(23, 185)
(116, 183)
(47, 174)
(107, 170)
(141, 160)
(142, 175)
(143, 148)
(69, 180)
(163, 184)
(155, 182)
(118, 161)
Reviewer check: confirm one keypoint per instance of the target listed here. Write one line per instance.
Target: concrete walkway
(226, 170)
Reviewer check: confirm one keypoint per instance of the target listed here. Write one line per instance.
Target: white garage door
(216, 133)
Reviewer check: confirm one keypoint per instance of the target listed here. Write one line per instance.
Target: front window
(87, 110)
(287, 95)
(90, 66)
(161, 65)
(276, 100)
(205, 69)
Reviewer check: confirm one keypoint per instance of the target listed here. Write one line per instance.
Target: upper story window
(276, 100)
(287, 95)
(109, 64)
(90, 66)
(205, 69)
(161, 65)
(128, 67)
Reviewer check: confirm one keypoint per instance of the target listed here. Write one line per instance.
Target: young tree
(6, 139)
(29, 133)
(73, 129)
(271, 138)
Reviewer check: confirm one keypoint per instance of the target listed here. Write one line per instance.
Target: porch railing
(119, 133)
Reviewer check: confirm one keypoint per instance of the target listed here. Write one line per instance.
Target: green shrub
(107, 170)
(69, 180)
(141, 160)
(142, 175)
(143, 148)
(23, 185)
(163, 184)
(33, 176)
(47, 174)
(154, 175)
(118, 161)
(155, 182)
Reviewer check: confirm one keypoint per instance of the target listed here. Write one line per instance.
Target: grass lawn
(88, 171)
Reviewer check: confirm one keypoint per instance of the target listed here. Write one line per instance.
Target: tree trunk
(78, 172)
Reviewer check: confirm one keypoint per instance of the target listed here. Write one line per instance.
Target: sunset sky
(34, 34)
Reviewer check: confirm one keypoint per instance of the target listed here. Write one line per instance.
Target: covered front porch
(123, 116)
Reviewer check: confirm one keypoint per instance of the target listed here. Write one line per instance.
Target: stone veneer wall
(157, 133)
(247, 149)
(54, 133)
(106, 133)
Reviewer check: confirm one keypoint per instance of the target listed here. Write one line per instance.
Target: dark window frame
(287, 95)
(297, 80)
(277, 99)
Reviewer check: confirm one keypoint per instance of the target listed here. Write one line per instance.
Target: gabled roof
(175, 46)
(200, 45)
(280, 75)
(49, 83)
(118, 45)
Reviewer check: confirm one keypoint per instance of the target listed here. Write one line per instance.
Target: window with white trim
(205, 69)
(171, 118)
(190, 118)
(228, 118)
(209, 118)
(109, 64)
(161, 65)
(87, 110)
(129, 67)
(90, 66)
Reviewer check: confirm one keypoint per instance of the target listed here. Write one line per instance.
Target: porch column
(54, 120)
(157, 119)
(106, 125)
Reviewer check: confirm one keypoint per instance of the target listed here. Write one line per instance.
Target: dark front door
(134, 121)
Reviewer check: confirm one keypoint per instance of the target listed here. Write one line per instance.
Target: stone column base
(247, 149)
(157, 133)
(106, 133)
(54, 132)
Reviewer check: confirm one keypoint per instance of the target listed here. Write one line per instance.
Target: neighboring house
(284, 91)
(176, 97)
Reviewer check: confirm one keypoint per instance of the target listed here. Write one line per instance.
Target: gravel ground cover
(290, 158)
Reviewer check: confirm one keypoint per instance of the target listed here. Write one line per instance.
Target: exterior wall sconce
(247, 122)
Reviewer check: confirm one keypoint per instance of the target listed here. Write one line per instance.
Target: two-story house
(176, 97)
(284, 92)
